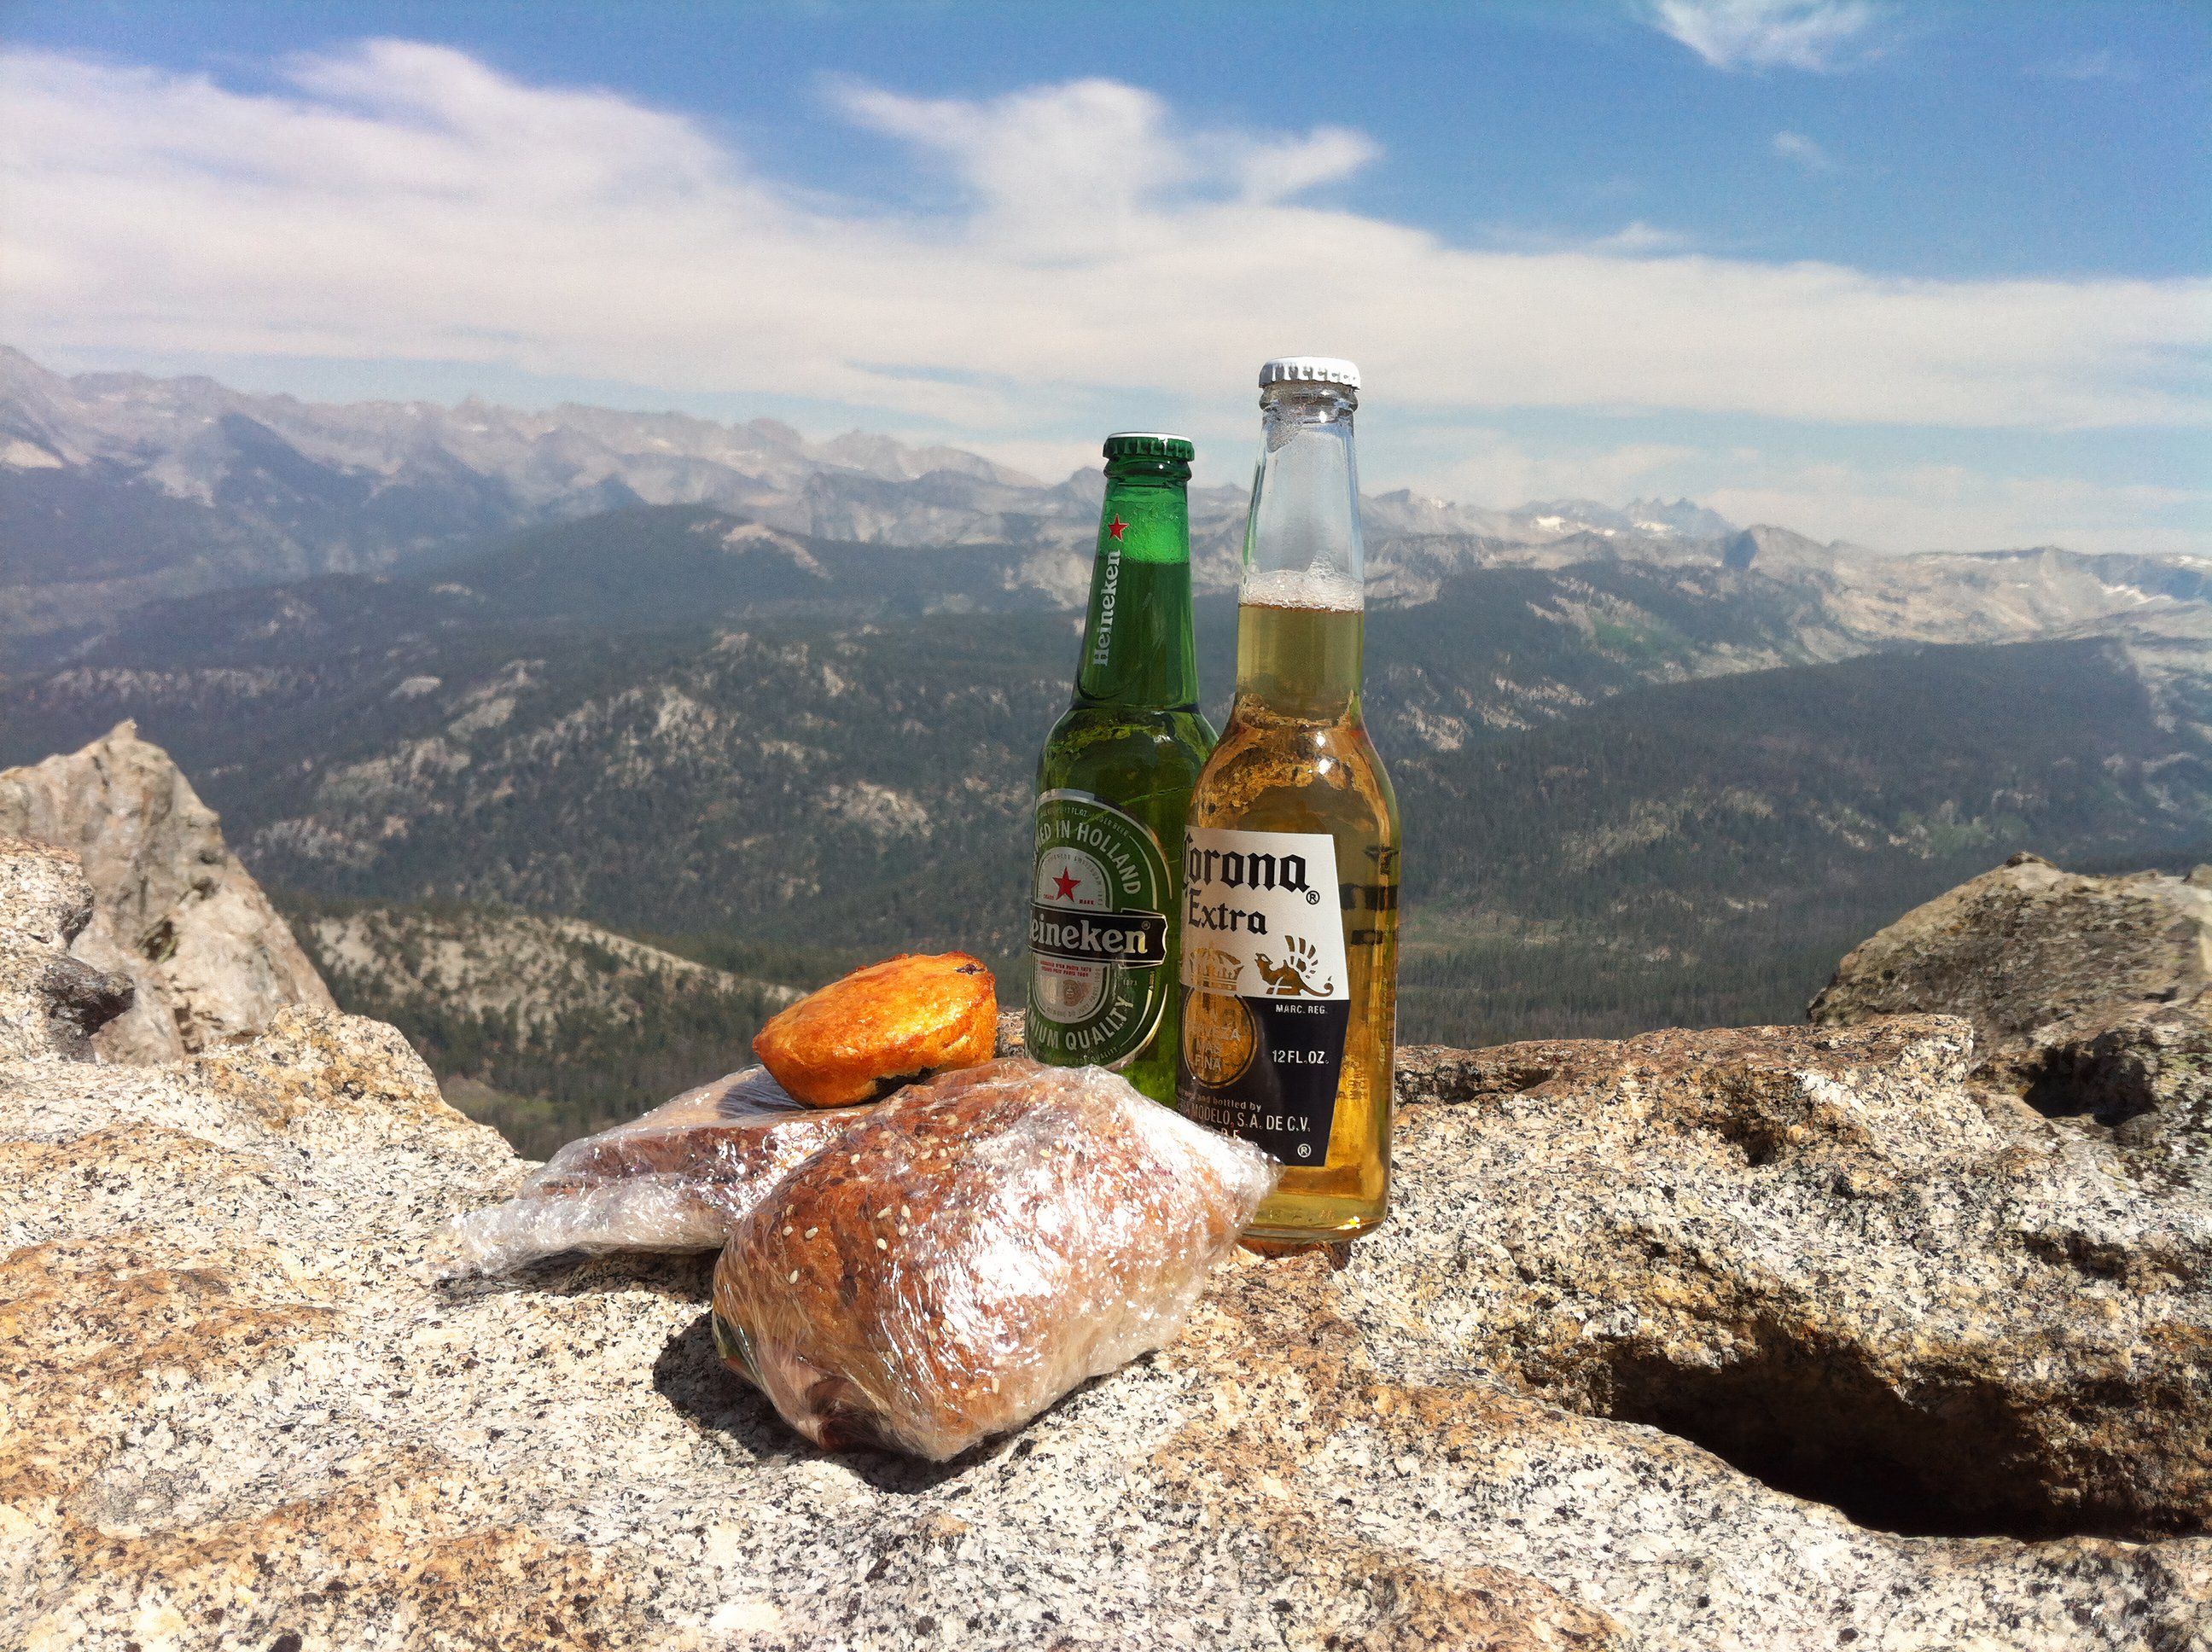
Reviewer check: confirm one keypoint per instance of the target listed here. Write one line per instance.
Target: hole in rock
(1959, 1460)
(2074, 1080)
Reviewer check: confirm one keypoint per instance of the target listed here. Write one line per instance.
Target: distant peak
(1764, 540)
(19, 369)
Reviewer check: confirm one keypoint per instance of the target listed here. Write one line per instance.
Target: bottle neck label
(1099, 904)
(1266, 992)
(1099, 643)
(1136, 646)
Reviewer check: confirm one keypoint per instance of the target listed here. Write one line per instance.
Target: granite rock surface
(1634, 1297)
(51, 1003)
(2090, 997)
(209, 957)
(2045, 962)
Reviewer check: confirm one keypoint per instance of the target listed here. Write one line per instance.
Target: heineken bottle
(1114, 786)
(1290, 944)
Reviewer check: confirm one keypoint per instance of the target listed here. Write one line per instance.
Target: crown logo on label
(1212, 970)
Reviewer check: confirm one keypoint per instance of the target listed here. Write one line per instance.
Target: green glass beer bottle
(1113, 788)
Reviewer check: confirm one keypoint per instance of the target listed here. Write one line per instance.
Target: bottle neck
(1138, 650)
(1300, 619)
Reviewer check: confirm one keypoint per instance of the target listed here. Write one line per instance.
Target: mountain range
(119, 489)
(122, 488)
(771, 703)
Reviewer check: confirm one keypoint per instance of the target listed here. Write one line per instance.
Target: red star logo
(1115, 526)
(1064, 885)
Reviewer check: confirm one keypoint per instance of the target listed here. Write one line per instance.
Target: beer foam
(1302, 587)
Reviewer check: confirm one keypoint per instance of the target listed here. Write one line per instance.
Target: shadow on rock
(692, 1378)
(690, 1374)
(684, 1276)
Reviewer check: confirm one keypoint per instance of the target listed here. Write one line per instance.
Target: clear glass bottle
(1114, 787)
(1290, 960)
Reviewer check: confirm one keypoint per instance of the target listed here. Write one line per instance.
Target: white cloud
(1494, 470)
(399, 201)
(1951, 507)
(1798, 147)
(2104, 64)
(1887, 507)
(1812, 35)
(1635, 238)
(1638, 237)
(1073, 163)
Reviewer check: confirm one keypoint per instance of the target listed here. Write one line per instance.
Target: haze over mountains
(122, 488)
(775, 701)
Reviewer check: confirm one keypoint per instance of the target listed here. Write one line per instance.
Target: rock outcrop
(1825, 1255)
(49, 1002)
(175, 912)
(2042, 962)
(1634, 1297)
(2088, 995)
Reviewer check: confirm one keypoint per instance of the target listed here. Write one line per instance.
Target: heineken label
(1098, 933)
(1266, 997)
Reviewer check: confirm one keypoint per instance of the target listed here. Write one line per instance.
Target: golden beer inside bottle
(1295, 758)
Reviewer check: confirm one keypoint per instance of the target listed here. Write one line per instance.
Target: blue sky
(1915, 275)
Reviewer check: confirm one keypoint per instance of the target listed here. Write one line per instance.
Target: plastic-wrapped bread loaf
(975, 1247)
(680, 1178)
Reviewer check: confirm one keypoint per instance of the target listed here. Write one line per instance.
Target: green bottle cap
(1149, 444)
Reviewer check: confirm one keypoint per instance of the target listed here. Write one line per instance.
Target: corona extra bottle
(1113, 788)
(1290, 947)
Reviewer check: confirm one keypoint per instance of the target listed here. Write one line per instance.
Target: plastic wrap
(680, 1178)
(973, 1248)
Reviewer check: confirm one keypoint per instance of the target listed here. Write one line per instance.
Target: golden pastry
(861, 1038)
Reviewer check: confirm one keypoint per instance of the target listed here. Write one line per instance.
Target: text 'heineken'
(1290, 959)
(1114, 786)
